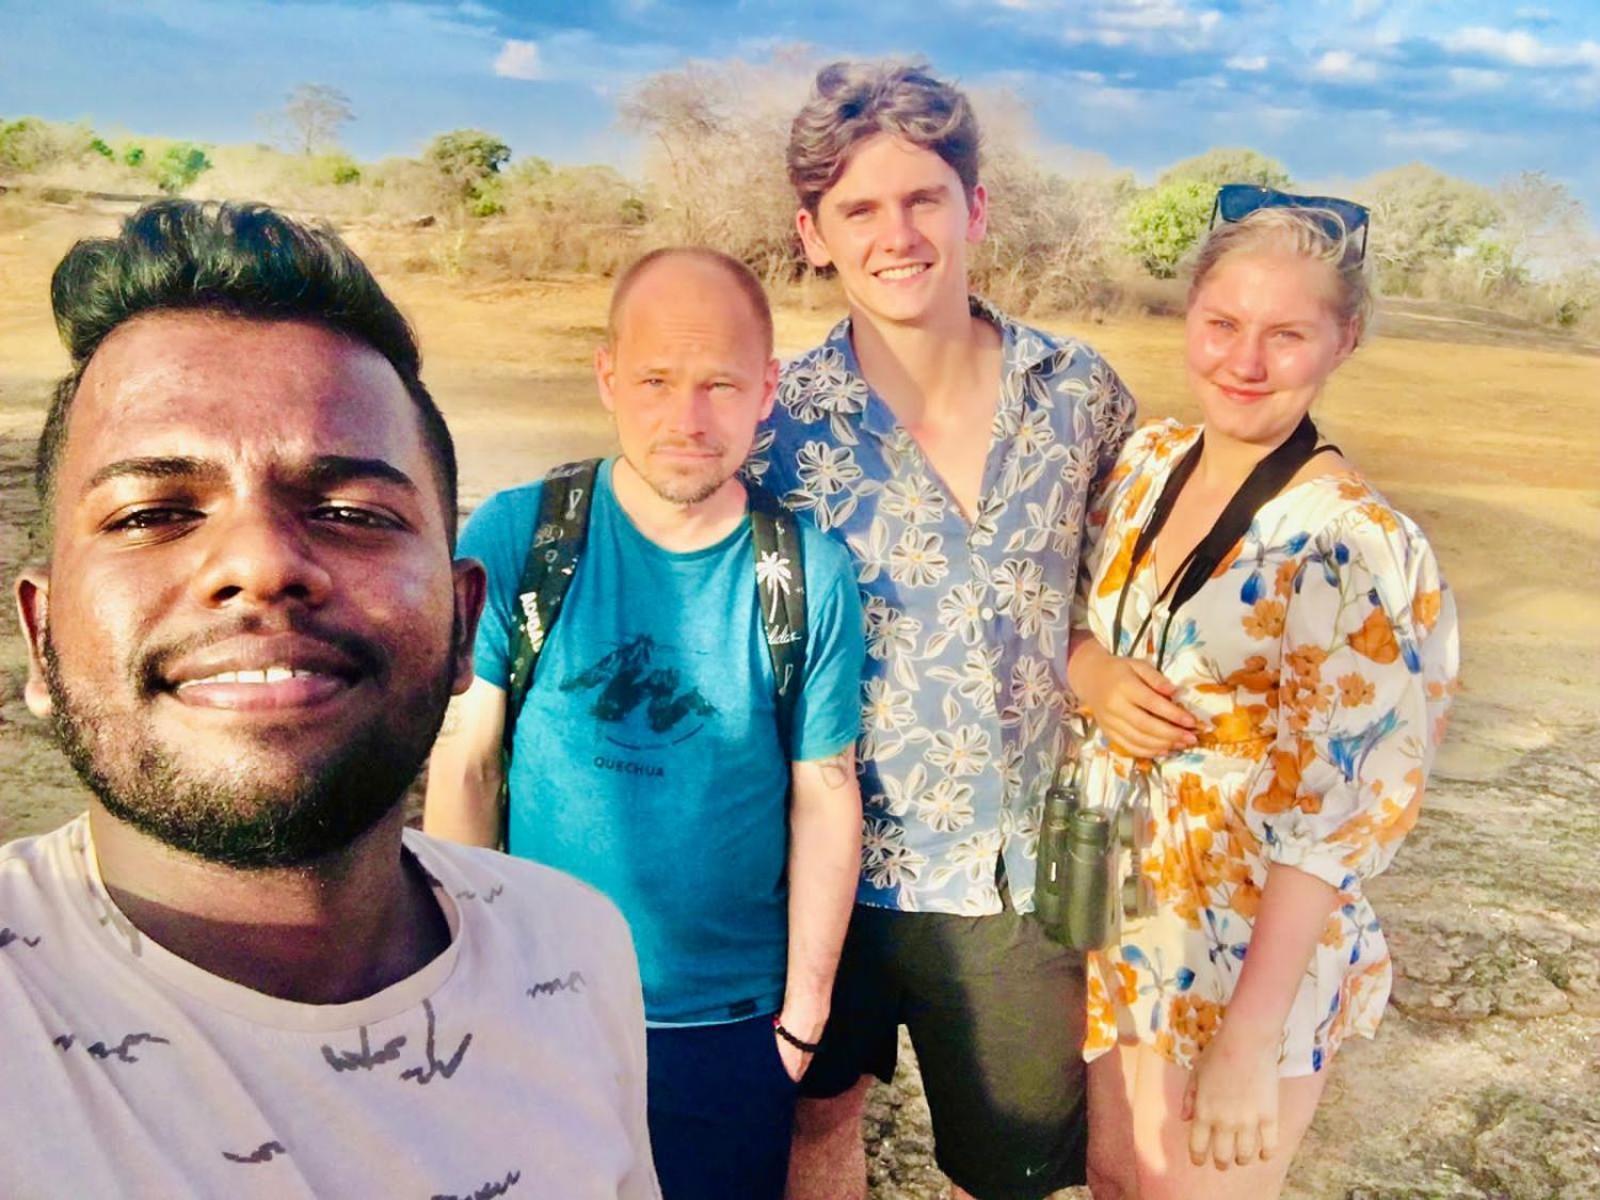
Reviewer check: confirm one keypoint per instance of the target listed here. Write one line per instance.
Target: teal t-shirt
(647, 761)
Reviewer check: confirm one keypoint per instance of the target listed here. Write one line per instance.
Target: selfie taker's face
(1262, 337)
(896, 226)
(251, 623)
(688, 380)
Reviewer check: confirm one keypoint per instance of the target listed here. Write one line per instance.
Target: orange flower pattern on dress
(1320, 662)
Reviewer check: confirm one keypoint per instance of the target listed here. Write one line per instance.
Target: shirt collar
(1022, 350)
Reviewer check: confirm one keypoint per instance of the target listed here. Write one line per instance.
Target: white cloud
(1436, 141)
(1243, 62)
(1341, 66)
(1360, 10)
(1472, 79)
(519, 60)
(1147, 24)
(1519, 48)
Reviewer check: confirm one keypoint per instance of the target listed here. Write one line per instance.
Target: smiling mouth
(894, 274)
(278, 689)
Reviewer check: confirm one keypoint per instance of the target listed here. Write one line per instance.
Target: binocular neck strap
(1266, 479)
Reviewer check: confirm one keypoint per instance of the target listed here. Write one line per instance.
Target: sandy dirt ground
(1485, 1080)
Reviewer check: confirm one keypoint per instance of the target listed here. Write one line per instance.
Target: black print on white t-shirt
(574, 982)
(366, 1058)
(122, 1051)
(425, 1074)
(262, 1153)
(488, 1191)
(487, 897)
(9, 935)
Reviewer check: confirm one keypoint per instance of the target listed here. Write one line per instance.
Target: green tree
(179, 166)
(468, 160)
(1164, 222)
(1228, 164)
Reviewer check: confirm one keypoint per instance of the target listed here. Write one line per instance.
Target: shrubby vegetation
(713, 173)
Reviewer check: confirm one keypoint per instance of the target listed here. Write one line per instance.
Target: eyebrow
(324, 471)
(172, 467)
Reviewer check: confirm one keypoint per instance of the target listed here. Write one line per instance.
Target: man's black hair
(244, 260)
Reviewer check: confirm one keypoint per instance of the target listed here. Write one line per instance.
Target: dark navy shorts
(721, 1111)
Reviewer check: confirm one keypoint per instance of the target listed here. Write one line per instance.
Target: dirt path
(1485, 1081)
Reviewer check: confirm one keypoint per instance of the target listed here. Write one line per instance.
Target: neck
(929, 370)
(1225, 463)
(336, 930)
(673, 526)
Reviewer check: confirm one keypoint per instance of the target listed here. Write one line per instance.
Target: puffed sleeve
(1368, 667)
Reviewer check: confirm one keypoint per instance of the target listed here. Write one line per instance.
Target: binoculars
(1088, 878)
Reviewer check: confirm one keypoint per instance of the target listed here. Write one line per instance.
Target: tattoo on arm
(839, 771)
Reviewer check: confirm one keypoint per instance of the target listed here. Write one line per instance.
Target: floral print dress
(1319, 659)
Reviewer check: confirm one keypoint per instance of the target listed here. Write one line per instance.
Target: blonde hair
(1308, 233)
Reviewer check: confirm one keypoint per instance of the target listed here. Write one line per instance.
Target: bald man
(651, 756)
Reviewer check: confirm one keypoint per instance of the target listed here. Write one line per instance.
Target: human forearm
(824, 866)
(1293, 911)
(465, 770)
(463, 801)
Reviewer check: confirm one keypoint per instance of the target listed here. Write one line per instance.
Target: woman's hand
(1232, 1099)
(1131, 700)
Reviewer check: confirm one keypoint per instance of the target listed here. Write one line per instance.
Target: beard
(237, 818)
(684, 487)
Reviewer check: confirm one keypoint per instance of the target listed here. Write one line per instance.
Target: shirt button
(986, 613)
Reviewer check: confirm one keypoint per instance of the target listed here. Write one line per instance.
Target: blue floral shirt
(967, 621)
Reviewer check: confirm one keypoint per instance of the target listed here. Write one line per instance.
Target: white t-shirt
(512, 1065)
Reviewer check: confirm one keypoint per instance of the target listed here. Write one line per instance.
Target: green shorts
(996, 1015)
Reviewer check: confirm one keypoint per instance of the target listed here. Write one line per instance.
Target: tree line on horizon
(714, 174)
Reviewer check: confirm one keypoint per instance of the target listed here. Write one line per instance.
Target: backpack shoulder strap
(781, 594)
(558, 540)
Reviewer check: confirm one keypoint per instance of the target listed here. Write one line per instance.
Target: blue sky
(1335, 88)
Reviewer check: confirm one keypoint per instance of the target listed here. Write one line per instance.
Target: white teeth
(263, 675)
(903, 272)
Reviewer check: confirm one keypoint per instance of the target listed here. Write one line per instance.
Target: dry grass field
(1485, 1081)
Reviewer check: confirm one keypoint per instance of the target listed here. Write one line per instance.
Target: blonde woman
(1270, 712)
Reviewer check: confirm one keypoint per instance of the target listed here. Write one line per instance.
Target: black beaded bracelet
(806, 1047)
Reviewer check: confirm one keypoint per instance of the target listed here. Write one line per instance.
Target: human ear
(33, 612)
(805, 221)
(470, 585)
(605, 373)
(978, 214)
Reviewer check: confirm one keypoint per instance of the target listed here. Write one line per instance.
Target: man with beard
(238, 975)
(656, 756)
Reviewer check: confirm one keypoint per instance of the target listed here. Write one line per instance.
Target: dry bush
(715, 163)
(1052, 240)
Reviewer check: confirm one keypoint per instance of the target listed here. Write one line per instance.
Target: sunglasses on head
(1337, 218)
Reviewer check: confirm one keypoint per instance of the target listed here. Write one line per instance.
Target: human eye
(353, 516)
(1290, 335)
(151, 518)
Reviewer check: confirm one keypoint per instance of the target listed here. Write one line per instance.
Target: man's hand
(1130, 700)
(795, 1060)
(1232, 1099)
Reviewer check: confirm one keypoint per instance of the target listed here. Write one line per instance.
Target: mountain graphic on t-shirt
(627, 678)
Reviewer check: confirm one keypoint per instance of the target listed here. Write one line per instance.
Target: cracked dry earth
(1484, 1082)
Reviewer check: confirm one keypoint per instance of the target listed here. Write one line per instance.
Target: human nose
(692, 408)
(897, 232)
(258, 556)
(1247, 357)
